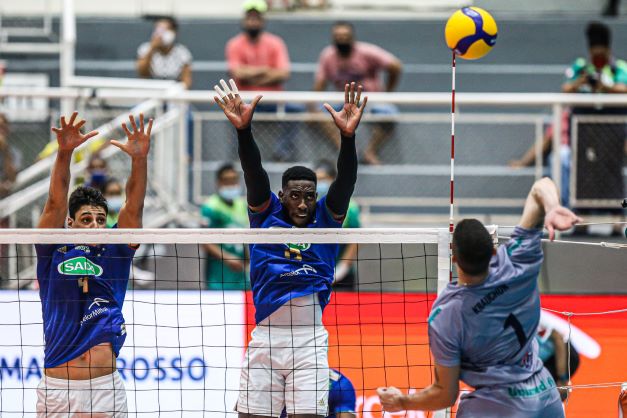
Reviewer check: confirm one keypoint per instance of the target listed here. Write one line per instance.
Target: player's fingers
(126, 131)
(133, 124)
(329, 108)
(56, 130)
(90, 135)
(551, 231)
(63, 123)
(358, 98)
(346, 97)
(149, 127)
(117, 144)
(255, 101)
(351, 95)
(80, 124)
(219, 102)
(221, 93)
(234, 87)
(141, 122)
(226, 88)
(363, 105)
(73, 118)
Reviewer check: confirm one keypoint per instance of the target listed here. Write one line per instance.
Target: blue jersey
(342, 396)
(75, 321)
(488, 330)
(280, 272)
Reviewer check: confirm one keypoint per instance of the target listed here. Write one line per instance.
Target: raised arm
(69, 137)
(137, 147)
(347, 121)
(240, 115)
(543, 205)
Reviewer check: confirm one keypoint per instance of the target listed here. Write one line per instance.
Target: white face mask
(115, 203)
(230, 193)
(323, 187)
(168, 37)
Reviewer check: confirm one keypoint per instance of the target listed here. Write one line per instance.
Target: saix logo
(305, 269)
(79, 266)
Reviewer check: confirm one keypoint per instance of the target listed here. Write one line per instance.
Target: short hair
(327, 166)
(298, 172)
(85, 195)
(224, 168)
(344, 23)
(598, 34)
(174, 24)
(472, 246)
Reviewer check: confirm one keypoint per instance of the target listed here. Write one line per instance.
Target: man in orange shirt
(257, 60)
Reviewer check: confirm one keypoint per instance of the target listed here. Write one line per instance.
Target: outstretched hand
(69, 136)
(238, 113)
(138, 144)
(347, 119)
(560, 218)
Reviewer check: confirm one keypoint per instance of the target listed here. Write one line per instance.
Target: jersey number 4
(513, 322)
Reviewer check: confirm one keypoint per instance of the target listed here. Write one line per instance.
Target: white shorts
(102, 397)
(285, 367)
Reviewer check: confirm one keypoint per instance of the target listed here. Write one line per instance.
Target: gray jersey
(488, 330)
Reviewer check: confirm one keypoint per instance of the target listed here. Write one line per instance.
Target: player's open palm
(560, 218)
(238, 113)
(347, 119)
(69, 135)
(138, 144)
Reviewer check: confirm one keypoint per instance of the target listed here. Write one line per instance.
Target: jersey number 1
(513, 322)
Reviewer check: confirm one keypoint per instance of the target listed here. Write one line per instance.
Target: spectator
(163, 58)
(97, 173)
(256, 59)
(600, 145)
(348, 60)
(226, 264)
(259, 60)
(344, 270)
(9, 159)
(529, 158)
(113, 192)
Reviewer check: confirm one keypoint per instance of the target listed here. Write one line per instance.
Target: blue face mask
(323, 188)
(230, 193)
(98, 177)
(115, 203)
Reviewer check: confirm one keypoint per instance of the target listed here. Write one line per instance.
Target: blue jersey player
(342, 396)
(286, 362)
(82, 287)
(482, 327)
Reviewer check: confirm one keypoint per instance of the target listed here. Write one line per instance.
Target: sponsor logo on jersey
(305, 269)
(299, 247)
(97, 302)
(79, 266)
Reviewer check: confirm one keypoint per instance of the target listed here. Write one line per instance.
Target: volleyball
(471, 32)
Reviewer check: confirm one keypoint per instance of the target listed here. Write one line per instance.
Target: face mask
(344, 49)
(115, 203)
(323, 188)
(599, 61)
(230, 193)
(253, 33)
(168, 37)
(98, 177)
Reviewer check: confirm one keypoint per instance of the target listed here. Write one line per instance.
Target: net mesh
(188, 324)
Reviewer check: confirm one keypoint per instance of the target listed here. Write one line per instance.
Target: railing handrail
(402, 98)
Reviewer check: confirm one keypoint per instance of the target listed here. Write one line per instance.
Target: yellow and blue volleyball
(471, 32)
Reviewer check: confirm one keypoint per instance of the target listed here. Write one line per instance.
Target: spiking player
(82, 287)
(482, 327)
(286, 362)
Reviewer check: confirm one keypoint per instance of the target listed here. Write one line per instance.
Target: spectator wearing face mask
(226, 263)
(163, 58)
(97, 173)
(114, 194)
(348, 60)
(345, 275)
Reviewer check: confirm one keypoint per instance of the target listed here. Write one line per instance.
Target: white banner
(182, 354)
